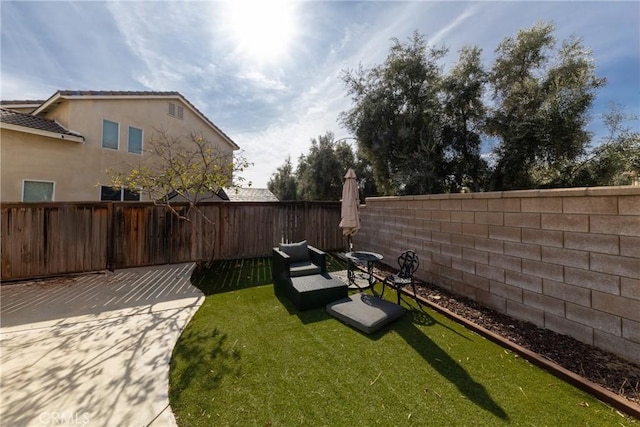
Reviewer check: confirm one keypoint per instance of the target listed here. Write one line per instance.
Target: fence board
(46, 239)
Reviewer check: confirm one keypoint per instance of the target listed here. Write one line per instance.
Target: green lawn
(249, 358)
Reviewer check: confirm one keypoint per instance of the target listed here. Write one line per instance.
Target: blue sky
(269, 76)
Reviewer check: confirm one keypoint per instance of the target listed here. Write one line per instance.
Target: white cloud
(272, 110)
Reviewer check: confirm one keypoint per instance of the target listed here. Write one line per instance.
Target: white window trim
(53, 192)
(141, 140)
(102, 136)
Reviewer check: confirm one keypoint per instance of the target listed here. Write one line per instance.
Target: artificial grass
(249, 358)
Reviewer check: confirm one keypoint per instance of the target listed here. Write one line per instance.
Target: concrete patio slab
(93, 349)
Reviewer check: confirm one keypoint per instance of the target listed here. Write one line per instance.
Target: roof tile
(33, 122)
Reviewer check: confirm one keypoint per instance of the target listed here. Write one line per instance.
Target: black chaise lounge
(300, 273)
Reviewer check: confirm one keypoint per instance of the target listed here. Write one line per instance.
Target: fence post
(111, 237)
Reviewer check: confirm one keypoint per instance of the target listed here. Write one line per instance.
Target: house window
(135, 140)
(176, 111)
(115, 194)
(110, 132)
(37, 191)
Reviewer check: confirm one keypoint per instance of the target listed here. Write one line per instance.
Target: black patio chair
(408, 262)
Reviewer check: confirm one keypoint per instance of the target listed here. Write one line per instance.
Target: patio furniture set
(300, 274)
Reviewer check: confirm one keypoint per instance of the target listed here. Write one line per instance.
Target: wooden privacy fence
(48, 239)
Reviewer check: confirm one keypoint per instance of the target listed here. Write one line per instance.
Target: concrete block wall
(566, 260)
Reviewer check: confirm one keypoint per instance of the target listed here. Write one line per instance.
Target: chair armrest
(280, 263)
(319, 258)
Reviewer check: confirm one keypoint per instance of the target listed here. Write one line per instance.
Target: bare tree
(181, 169)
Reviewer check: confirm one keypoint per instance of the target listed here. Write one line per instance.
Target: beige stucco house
(60, 149)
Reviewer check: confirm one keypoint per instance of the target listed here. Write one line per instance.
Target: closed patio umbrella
(350, 222)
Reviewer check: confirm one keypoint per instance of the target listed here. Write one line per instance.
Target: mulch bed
(600, 367)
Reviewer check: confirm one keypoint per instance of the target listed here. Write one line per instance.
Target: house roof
(61, 95)
(249, 195)
(37, 123)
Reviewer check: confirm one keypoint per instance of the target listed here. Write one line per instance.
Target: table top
(363, 256)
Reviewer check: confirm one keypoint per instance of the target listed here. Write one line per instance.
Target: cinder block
(543, 237)
(605, 322)
(569, 293)
(440, 259)
(629, 205)
(415, 204)
(591, 242)
(474, 205)
(441, 216)
(512, 234)
(620, 225)
(431, 205)
(476, 281)
(569, 327)
(526, 313)
(565, 222)
(490, 272)
(450, 273)
(474, 255)
(523, 220)
(618, 265)
(630, 247)
(504, 205)
(507, 291)
(490, 245)
(608, 283)
(451, 227)
(451, 205)
(439, 237)
(463, 216)
(432, 247)
(590, 205)
(620, 306)
(431, 225)
(624, 348)
(452, 251)
(631, 330)
(463, 241)
(630, 288)
(423, 214)
(523, 250)
(491, 218)
(506, 262)
(541, 204)
(567, 257)
(463, 265)
(543, 270)
(523, 281)
(493, 301)
(463, 289)
(478, 230)
(543, 302)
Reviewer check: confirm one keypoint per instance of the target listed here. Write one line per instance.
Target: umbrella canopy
(350, 222)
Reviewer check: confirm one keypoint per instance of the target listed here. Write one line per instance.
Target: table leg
(370, 271)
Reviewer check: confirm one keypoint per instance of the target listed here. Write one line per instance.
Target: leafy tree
(464, 114)
(366, 181)
(617, 160)
(184, 169)
(320, 172)
(543, 96)
(283, 182)
(397, 116)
